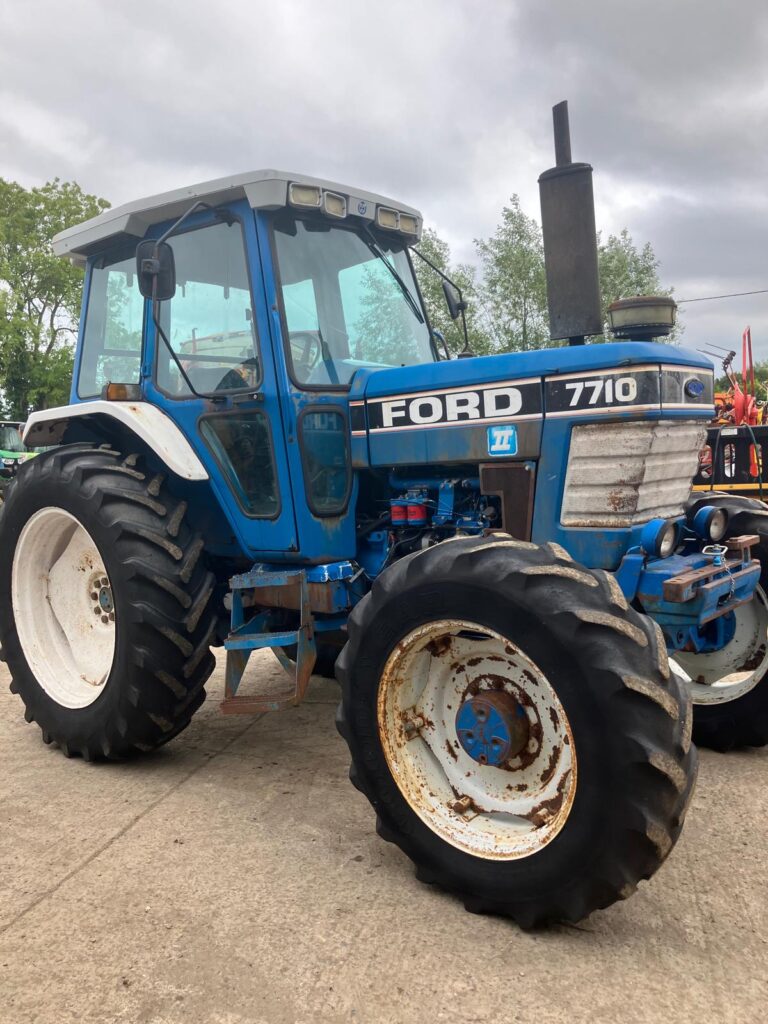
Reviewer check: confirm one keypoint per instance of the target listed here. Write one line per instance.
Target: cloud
(446, 106)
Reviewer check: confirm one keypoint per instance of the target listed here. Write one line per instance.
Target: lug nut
(413, 726)
(463, 805)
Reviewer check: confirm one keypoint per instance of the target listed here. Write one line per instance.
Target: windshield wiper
(373, 245)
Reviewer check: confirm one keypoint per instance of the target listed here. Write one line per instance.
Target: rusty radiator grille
(620, 474)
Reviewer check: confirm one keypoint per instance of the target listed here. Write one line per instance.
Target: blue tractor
(266, 448)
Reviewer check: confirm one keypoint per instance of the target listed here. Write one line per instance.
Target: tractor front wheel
(106, 607)
(516, 727)
(729, 687)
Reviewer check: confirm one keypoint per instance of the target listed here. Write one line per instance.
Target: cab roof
(264, 190)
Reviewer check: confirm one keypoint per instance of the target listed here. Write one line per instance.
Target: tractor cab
(283, 289)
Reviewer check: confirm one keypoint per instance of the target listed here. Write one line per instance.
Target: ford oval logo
(362, 208)
(694, 388)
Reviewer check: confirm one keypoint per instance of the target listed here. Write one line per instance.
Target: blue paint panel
(486, 369)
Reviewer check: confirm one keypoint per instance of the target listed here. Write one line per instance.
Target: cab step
(254, 634)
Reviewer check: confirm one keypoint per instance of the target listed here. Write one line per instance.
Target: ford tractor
(267, 447)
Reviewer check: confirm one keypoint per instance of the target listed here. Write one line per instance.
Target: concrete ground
(236, 877)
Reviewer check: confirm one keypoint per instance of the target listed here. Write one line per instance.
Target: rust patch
(755, 661)
(546, 810)
(438, 647)
(488, 681)
(451, 751)
(554, 718)
(549, 771)
(621, 501)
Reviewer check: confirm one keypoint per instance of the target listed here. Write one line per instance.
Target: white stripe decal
(452, 391)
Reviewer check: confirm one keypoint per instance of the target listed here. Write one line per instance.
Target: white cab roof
(264, 190)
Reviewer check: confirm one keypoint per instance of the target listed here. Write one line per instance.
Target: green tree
(431, 286)
(626, 270)
(514, 291)
(39, 293)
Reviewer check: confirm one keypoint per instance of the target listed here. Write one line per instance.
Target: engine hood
(495, 407)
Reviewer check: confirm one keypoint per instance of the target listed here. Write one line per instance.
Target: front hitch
(692, 597)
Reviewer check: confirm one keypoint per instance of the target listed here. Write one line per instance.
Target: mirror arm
(159, 331)
(177, 224)
(466, 351)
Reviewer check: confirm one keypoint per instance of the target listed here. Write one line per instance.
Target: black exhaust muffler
(570, 241)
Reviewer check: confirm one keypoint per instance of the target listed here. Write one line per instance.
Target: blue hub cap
(492, 727)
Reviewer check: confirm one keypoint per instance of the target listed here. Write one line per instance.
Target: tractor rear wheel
(516, 728)
(729, 687)
(106, 607)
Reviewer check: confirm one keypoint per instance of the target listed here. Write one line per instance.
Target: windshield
(344, 306)
(10, 438)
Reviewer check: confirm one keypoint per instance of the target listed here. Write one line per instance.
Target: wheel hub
(492, 727)
(100, 593)
(105, 600)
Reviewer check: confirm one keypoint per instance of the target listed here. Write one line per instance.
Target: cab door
(219, 382)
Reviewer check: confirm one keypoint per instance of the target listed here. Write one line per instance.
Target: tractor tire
(587, 800)
(106, 606)
(727, 718)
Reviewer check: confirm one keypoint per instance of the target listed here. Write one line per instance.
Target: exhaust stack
(570, 241)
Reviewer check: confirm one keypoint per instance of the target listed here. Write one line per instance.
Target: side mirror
(154, 262)
(453, 299)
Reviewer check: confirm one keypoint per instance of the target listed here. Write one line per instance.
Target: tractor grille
(620, 474)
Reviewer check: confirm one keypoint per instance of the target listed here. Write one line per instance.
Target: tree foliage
(39, 293)
(626, 270)
(431, 286)
(508, 298)
(514, 290)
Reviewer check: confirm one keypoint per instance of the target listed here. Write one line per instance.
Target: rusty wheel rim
(497, 813)
(731, 673)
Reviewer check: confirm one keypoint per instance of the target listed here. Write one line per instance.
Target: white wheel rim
(730, 673)
(514, 810)
(62, 607)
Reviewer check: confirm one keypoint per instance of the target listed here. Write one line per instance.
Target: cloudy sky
(444, 104)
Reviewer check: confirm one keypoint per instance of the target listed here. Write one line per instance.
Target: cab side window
(209, 321)
(111, 348)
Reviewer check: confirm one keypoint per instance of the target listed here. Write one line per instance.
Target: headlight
(8, 462)
(659, 537)
(710, 523)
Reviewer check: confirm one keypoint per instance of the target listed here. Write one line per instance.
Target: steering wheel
(306, 350)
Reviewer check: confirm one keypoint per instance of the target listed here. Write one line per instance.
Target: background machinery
(500, 548)
(13, 452)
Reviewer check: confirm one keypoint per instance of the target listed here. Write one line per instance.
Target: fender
(147, 422)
